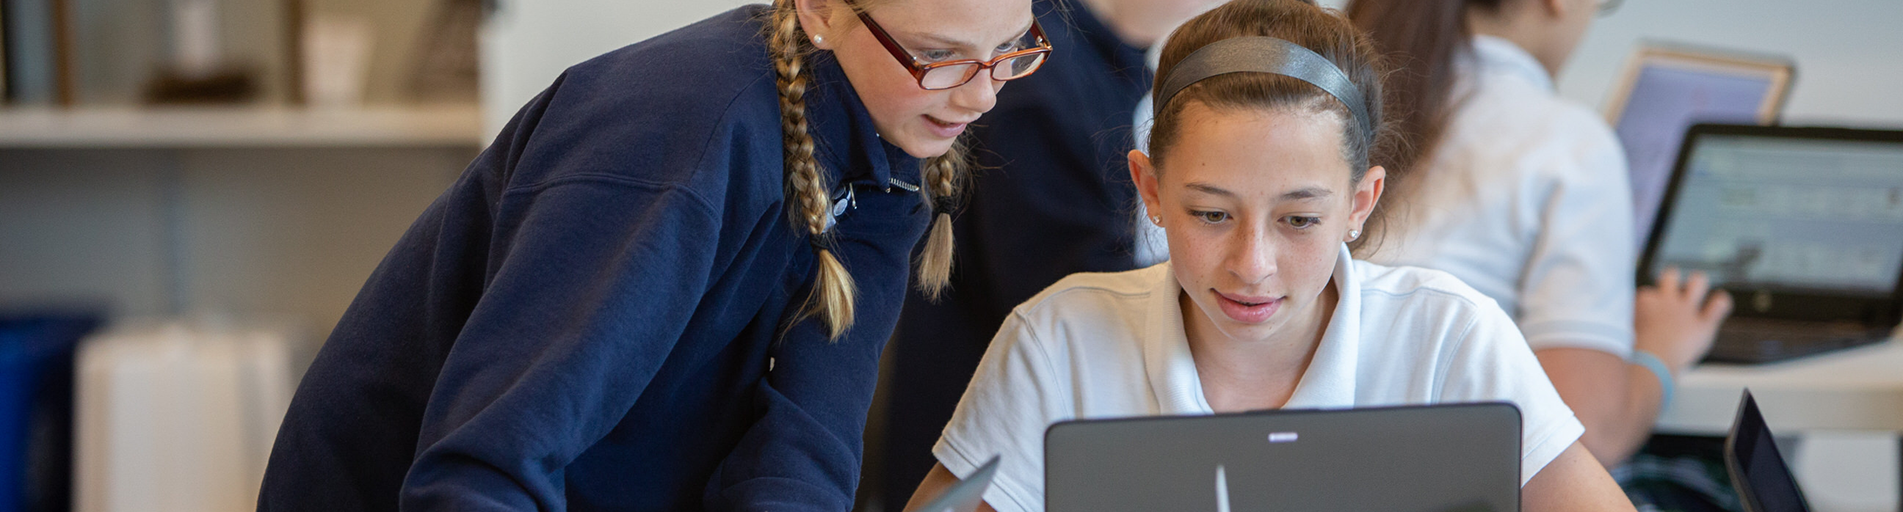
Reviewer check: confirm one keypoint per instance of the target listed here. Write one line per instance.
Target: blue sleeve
(804, 451)
(596, 279)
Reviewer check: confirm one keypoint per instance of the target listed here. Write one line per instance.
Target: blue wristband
(1660, 370)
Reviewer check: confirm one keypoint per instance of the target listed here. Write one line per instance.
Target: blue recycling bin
(36, 409)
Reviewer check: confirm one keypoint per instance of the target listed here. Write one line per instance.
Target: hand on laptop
(1677, 320)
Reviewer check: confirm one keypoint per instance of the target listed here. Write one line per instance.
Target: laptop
(1439, 458)
(1668, 88)
(967, 493)
(1758, 471)
(1804, 226)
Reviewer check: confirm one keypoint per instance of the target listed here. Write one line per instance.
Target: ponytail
(1421, 40)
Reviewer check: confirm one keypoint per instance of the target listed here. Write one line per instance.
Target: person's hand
(1677, 321)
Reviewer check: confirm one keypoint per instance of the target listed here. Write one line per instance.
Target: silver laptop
(1804, 226)
(1441, 458)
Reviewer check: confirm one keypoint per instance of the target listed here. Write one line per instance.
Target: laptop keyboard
(1762, 340)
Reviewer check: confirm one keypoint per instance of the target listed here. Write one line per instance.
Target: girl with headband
(1259, 174)
(667, 284)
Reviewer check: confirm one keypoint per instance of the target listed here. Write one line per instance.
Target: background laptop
(1442, 458)
(1803, 225)
(1758, 471)
(1668, 88)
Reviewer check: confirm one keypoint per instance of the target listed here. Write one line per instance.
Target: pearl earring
(1354, 234)
(818, 39)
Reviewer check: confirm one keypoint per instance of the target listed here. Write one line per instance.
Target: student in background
(1524, 196)
(1050, 197)
(667, 284)
(1259, 172)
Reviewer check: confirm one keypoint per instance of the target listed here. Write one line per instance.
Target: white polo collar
(1329, 381)
(1498, 55)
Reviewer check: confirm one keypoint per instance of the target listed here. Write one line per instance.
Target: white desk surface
(1855, 389)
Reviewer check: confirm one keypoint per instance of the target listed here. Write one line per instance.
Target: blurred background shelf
(240, 127)
(206, 163)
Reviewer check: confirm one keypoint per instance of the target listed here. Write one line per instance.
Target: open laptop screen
(1764, 482)
(1788, 213)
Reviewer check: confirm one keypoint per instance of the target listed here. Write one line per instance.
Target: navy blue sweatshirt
(1052, 197)
(598, 314)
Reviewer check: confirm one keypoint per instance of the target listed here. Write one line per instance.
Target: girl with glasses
(1261, 170)
(1049, 180)
(667, 283)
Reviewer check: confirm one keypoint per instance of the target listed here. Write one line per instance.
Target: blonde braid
(833, 289)
(944, 175)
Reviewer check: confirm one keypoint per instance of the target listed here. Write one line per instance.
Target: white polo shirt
(1113, 345)
(1526, 199)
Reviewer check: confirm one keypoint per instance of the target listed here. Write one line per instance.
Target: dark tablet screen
(1767, 484)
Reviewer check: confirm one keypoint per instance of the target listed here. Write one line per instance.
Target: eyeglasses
(950, 74)
(1607, 6)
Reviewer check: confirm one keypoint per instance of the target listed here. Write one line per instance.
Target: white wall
(1849, 53)
(528, 42)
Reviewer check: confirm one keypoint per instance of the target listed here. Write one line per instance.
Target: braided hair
(807, 191)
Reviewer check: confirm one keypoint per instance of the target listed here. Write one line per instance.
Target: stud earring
(818, 39)
(1157, 220)
(1354, 234)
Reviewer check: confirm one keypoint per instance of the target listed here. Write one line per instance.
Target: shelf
(240, 127)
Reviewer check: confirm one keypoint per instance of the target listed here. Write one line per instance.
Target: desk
(1856, 389)
(1844, 406)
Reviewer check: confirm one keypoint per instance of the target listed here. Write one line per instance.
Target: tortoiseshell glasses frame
(937, 76)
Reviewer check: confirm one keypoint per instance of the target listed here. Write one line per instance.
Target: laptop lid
(1669, 87)
(967, 493)
(1441, 458)
(1798, 223)
(1758, 471)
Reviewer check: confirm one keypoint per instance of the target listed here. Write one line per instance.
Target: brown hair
(1299, 22)
(1422, 38)
(807, 191)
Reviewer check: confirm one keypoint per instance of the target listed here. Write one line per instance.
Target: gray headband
(1258, 54)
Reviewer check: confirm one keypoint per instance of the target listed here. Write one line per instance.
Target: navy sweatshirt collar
(849, 145)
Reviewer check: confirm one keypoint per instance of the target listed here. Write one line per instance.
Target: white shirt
(1526, 199)
(1113, 345)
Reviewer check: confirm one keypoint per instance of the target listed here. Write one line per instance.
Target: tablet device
(1668, 88)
